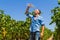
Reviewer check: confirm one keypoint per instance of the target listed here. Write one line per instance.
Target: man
(36, 22)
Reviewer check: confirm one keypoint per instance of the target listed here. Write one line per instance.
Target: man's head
(37, 12)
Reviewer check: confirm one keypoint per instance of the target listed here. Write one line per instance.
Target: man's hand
(30, 5)
(27, 9)
(41, 34)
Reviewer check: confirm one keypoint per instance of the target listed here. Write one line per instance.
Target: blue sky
(16, 9)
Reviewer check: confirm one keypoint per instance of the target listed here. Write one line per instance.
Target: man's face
(36, 11)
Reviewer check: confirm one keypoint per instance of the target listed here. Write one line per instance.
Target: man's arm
(42, 29)
(27, 9)
(43, 26)
(42, 32)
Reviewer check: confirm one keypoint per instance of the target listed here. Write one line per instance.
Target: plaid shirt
(36, 22)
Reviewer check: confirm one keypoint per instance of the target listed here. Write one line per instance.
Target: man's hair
(39, 11)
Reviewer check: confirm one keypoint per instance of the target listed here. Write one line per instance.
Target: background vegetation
(11, 29)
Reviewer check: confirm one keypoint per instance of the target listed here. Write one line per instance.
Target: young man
(36, 22)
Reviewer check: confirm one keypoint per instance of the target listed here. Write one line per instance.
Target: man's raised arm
(27, 9)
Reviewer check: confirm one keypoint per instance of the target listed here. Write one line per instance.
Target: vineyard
(11, 29)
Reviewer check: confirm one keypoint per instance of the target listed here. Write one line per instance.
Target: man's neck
(37, 15)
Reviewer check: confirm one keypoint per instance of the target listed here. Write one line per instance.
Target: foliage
(11, 29)
(56, 19)
(58, 1)
(47, 33)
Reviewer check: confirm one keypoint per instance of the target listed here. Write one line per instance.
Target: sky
(16, 9)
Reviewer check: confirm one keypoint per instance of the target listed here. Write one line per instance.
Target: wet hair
(39, 11)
